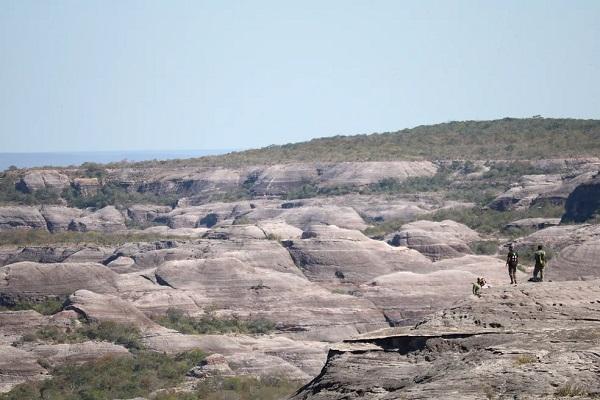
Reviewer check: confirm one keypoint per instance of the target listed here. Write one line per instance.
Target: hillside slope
(508, 138)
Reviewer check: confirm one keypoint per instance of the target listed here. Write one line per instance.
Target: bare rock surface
(13, 324)
(241, 232)
(18, 366)
(107, 219)
(351, 258)
(299, 307)
(436, 240)
(43, 179)
(34, 281)
(532, 341)
(21, 217)
(107, 307)
(145, 213)
(406, 297)
(279, 229)
(58, 218)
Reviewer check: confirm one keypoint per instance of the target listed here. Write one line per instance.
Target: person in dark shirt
(512, 260)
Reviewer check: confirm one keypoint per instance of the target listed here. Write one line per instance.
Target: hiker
(540, 263)
(512, 260)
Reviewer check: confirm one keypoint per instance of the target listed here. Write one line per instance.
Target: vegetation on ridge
(508, 138)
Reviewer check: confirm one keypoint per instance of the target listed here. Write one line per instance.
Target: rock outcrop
(107, 219)
(532, 341)
(436, 240)
(31, 281)
(43, 179)
(21, 217)
(584, 202)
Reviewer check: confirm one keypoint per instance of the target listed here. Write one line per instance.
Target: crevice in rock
(162, 282)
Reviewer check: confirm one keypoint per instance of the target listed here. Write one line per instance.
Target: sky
(155, 75)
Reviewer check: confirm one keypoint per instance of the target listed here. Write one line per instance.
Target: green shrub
(126, 335)
(210, 324)
(246, 388)
(107, 331)
(48, 306)
(484, 247)
(110, 377)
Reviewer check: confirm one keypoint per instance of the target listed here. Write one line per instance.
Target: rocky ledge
(526, 342)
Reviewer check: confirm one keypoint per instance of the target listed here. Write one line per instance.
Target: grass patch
(36, 237)
(526, 359)
(571, 390)
(110, 377)
(209, 323)
(125, 335)
(47, 307)
(237, 388)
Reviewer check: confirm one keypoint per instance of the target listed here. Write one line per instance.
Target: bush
(48, 306)
(210, 324)
(526, 359)
(571, 390)
(125, 335)
(246, 388)
(110, 377)
(484, 247)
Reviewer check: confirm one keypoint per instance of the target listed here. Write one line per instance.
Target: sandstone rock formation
(584, 202)
(435, 240)
(21, 217)
(107, 219)
(34, 281)
(532, 341)
(43, 179)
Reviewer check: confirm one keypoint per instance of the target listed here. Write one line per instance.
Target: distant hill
(508, 138)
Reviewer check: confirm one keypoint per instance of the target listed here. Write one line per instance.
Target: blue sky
(130, 75)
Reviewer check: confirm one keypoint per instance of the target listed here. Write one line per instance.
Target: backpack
(513, 258)
(540, 258)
